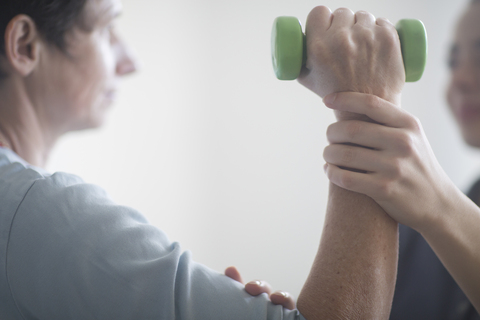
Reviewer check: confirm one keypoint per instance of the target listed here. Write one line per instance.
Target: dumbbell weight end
(289, 48)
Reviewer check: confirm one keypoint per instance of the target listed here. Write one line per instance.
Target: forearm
(455, 237)
(354, 272)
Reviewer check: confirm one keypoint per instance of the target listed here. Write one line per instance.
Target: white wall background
(222, 156)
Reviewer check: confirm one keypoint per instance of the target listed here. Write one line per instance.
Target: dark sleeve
(425, 289)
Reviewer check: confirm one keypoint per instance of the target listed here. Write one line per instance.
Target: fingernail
(258, 283)
(330, 99)
(283, 294)
(325, 167)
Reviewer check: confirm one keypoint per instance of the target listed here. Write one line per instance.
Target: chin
(96, 123)
(92, 122)
(472, 139)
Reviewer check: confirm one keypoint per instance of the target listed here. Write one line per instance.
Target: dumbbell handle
(289, 48)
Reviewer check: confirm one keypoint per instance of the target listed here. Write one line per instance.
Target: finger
(364, 18)
(318, 21)
(375, 108)
(284, 299)
(362, 133)
(353, 157)
(350, 180)
(233, 273)
(384, 22)
(343, 17)
(257, 287)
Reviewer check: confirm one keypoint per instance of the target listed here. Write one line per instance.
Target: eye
(453, 56)
(108, 31)
(452, 63)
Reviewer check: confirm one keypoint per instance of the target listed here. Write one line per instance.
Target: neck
(21, 127)
(33, 150)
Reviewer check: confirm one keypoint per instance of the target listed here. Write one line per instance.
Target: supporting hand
(392, 160)
(256, 288)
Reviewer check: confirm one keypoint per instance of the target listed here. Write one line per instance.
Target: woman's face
(464, 89)
(75, 89)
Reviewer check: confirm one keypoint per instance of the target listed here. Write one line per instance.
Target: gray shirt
(67, 251)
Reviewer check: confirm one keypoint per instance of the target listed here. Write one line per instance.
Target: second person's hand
(391, 158)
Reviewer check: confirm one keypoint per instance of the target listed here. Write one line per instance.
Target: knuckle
(343, 10)
(365, 33)
(389, 37)
(346, 180)
(320, 10)
(373, 102)
(343, 44)
(384, 22)
(385, 189)
(364, 38)
(414, 123)
(326, 153)
(342, 38)
(405, 143)
(317, 51)
(396, 168)
(362, 12)
(366, 13)
(353, 129)
(348, 156)
(331, 129)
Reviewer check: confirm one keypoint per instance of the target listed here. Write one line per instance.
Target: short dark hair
(53, 18)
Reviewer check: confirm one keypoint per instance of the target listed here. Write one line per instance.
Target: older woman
(439, 265)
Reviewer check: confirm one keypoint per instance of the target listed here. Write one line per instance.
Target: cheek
(449, 96)
(92, 77)
(80, 87)
(454, 98)
(95, 73)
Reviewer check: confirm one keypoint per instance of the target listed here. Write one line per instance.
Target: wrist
(344, 115)
(446, 213)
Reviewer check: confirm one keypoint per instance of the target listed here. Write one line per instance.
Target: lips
(468, 112)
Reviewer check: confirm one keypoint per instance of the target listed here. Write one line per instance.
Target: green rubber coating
(289, 48)
(413, 38)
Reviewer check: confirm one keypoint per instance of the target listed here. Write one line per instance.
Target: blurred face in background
(464, 89)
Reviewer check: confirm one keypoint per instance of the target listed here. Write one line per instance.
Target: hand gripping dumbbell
(289, 48)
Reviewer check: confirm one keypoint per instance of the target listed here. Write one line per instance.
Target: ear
(22, 44)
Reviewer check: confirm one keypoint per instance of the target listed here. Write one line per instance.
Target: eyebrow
(109, 13)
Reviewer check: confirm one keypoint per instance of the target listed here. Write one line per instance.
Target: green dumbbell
(289, 48)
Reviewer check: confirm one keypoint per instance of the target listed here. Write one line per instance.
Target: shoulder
(71, 245)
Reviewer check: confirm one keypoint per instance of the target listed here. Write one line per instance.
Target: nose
(127, 63)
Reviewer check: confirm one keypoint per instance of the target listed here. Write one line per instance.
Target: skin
(48, 93)
(395, 165)
(45, 94)
(258, 287)
(354, 272)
